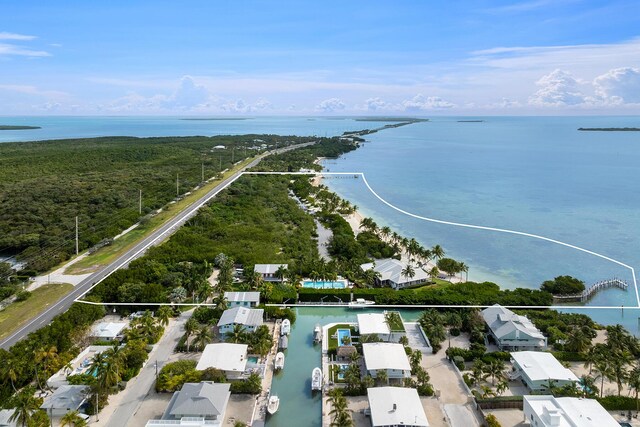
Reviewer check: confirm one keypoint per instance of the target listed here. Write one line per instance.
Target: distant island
(216, 118)
(611, 129)
(470, 121)
(9, 127)
(390, 119)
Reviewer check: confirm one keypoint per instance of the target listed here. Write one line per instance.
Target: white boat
(283, 342)
(273, 405)
(279, 362)
(361, 303)
(285, 328)
(317, 333)
(316, 379)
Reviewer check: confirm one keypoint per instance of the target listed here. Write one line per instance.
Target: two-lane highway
(153, 239)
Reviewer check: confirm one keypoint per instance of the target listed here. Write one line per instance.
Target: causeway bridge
(592, 290)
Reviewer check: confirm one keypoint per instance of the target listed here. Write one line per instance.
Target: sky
(552, 57)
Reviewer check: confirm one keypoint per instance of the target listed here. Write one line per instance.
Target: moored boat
(273, 405)
(285, 328)
(279, 362)
(317, 333)
(316, 379)
(283, 342)
(361, 303)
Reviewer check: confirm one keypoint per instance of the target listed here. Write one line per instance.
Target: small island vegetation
(625, 129)
(18, 127)
(563, 285)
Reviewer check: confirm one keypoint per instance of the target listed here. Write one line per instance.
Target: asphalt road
(155, 238)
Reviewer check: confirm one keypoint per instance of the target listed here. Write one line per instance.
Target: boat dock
(258, 417)
(592, 290)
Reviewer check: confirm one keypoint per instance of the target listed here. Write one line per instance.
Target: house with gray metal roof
(66, 398)
(268, 271)
(248, 318)
(511, 331)
(196, 404)
(242, 299)
(390, 272)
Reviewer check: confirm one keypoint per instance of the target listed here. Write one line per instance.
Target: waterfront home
(396, 406)
(386, 326)
(344, 353)
(389, 357)
(268, 271)
(226, 357)
(196, 404)
(65, 399)
(248, 318)
(547, 411)
(390, 273)
(537, 369)
(242, 299)
(108, 331)
(80, 365)
(512, 332)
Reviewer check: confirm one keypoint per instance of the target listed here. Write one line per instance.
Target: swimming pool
(341, 370)
(253, 360)
(320, 284)
(344, 335)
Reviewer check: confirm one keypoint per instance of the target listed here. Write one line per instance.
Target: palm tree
(385, 232)
(203, 337)
(178, 294)
(281, 273)
(495, 369)
(382, 376)
(633, 380)
(72, 419)
(238, 335)
(45, 357)
(434, 273)
(408, 271)
(619, 363)
(603, 368)
(163, 314)
(338, 404)
(503, 385)
(24, 404)
(463, 268)
(9, 368)
(588, 387)
(190, 327)
(437, 251)
(414, 359)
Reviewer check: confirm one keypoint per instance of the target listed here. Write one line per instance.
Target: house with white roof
(389, 357)
(512, 332)
(268, 271)
(242, 299)
(390, 273)
(396, 406)
(248, 318)
(196, 404)
(108, 331)
(227, 357)
(547, 411)
(537, 369)
(376, 324)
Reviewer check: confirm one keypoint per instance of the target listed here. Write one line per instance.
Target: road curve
(154, 238)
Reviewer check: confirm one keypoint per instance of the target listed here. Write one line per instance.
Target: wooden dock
(592, 290)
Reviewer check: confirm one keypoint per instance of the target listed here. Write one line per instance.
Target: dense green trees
(563, 285)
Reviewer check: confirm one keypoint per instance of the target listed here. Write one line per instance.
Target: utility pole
(77, 251)
(140, 204)
(177, 186)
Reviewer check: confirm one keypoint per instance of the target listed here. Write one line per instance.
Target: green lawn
(394, 321)
(332, 335)
(19, 313)
(110, 253)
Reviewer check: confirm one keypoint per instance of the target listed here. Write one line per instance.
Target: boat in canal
(283, 342)
(317, 334)
(361, 303)
(285, 328)
(273, 404)
(279, 362)
(316, 379)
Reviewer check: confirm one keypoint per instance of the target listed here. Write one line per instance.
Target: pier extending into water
(592, 290)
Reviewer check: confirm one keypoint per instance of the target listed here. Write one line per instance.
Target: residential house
(65, 399)
(376, 324)
(512, 332)
(108, 331)
(248, 318)
(390, 272)
(396, 406)
(548, 411)
(242, 299)
(268, 271)
(226, 357)
(538, 370)
(389, 357)
(196, 404)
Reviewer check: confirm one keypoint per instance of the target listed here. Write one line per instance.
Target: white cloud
(421, 103)
(620, 85)
(9, 48)
(331, 105)
(188, 95)
(13, 36)
(377, 104)
(558, 88)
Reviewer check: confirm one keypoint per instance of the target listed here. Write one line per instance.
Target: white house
(242, 299)
(547, 411)
(248, 318)
(390, 271)
(196, 405)
(389, 357)
(108, 331)
(66, 398)
(511, 331)
(537, 369)
(227, 357)
(268, 271)
(376, 324)
(5, 415)
(396, 406)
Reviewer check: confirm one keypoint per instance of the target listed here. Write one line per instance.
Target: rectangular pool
(344, 335)
(333, 284)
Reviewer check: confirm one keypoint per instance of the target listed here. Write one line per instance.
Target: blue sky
(286, 57)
